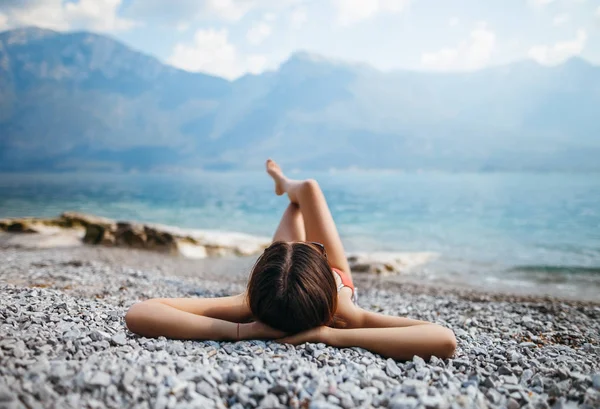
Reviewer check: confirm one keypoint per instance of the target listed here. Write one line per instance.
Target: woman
(300, 290)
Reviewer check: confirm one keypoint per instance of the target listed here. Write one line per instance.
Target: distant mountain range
(85, 101)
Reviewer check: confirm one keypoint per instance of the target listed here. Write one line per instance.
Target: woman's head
(292, 288)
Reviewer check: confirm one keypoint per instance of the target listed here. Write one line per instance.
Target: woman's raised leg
(318, 221)
(291, 226)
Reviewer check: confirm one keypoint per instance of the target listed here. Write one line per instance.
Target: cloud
(212, 53)
(256, 63)
(352, 11)
(298, 17)
(559, 52)
(258, 33)
(560, 19)
(470, 54)
(97, 15)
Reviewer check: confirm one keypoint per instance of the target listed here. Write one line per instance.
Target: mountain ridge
(74, 100)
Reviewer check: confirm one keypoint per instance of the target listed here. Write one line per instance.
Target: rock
(460, 362)
(526, 376)
(418, 362)
(270, 401)
(100, 379)
(6, 395)
(402, 402)
(505, 370)
(119, 338)
(510, 379)
(512, 404)
(235, 376)
(322, 404)
(392, 368)
(596, 381)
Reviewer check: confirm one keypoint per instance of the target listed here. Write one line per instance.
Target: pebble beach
(64, 344)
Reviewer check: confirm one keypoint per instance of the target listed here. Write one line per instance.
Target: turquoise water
(534, 229)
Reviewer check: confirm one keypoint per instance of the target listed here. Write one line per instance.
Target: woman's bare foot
(275, 172)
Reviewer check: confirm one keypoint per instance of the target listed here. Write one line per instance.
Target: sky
(229, 38)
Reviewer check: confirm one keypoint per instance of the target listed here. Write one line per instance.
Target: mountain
(85, 101)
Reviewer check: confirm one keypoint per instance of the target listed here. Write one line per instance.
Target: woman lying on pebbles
(300, 290)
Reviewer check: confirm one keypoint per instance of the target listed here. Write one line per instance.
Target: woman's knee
(311, 185)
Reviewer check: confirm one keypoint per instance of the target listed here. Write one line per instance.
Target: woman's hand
(258, 330)
(315, 335)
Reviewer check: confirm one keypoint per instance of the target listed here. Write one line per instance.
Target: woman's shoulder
(349, 312)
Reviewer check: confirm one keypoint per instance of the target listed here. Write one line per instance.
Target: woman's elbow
(447, 344)
(135, 317)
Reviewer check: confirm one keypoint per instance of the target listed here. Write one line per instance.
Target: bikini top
(345, 279)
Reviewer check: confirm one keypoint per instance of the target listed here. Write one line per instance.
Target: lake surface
(540, 231)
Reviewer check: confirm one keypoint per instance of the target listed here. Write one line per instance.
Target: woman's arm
(196, 318)
(356, 317)
(399, 343)
(369, 319)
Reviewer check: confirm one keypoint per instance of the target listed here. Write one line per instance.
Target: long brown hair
(292, 288)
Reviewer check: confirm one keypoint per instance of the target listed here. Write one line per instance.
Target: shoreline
(74, 230)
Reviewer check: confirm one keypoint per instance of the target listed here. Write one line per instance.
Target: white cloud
(298, 17)
(212, 53)
(98, 15)
(258, 33)
(453, 22)
(471, 54)
(256, 63)
(352, 11)
(560, 19)
(559, 52)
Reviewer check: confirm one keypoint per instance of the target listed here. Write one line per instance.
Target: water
(537, 231)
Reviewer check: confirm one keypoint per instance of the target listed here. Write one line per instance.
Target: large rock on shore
(96, 230)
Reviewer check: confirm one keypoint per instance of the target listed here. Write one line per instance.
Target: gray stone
(403, 402)
(596, 381)
(119, 338)
(6, 395)
(100, 379)
(392, 369)
(510, 379)
(418, 362)
(512, 404)
(270, 401)
(526, 376)
(322, 404)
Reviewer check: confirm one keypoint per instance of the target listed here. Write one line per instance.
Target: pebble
(100, 379)
(66, 346)
(392, 368)
(322, 404)
(119, 338)
(596, 381)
